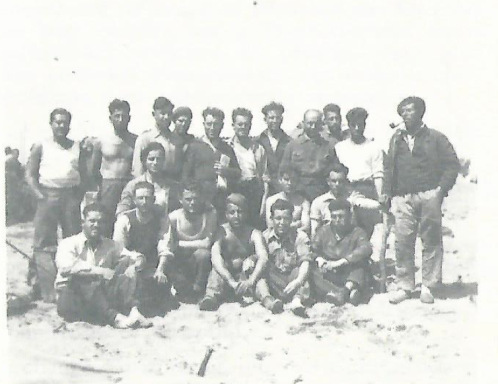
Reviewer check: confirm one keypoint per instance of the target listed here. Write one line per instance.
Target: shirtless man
(193, 226)
(111, 157)
(239, 259)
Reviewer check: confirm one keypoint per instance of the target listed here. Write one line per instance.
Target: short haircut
(143, 185)
(339, 205)
(237, 199)
(182, 111)
(339, 168)
(215, 112)
(241, 112)
(154, 146)
(357, 114)
(192, 186)
(60, 111)
(8, 150)
(121, 105)
(417, 101)
(273, 106)
(94, 207)
(332, 108)
(287, 171)
(281, 205)
(163, 103)
(15, 150)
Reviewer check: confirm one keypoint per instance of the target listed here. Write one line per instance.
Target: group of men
(166, 217)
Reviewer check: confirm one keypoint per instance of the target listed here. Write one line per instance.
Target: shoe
(300, 312)
(336, 297)
(140, 319)
(398, 296)
(426, 296)
(275, 306)
(355, 296)
(123, 322)
(209, 303)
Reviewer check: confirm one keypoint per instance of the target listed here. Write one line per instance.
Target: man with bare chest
(112, 158)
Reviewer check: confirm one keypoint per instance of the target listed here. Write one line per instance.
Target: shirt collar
(272, 235)
(84, 240)
(158, 132)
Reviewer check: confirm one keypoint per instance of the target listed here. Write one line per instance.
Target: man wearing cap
(274, 140)
(310, 156)
(421, 168)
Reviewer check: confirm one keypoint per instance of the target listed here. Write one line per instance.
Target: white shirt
(364, 161)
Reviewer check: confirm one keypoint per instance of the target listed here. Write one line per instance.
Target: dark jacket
(432, 163)
(274, 157)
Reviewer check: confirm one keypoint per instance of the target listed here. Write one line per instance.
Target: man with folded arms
(96, 279)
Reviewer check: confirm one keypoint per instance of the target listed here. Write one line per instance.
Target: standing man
(162, 111)
(182, 119)
(310, 156)
(422, 167)
(251, 156)
(365, 161)
(111, 158)
(54, 173)
(274, 140)
(212, 161)
(332, 122)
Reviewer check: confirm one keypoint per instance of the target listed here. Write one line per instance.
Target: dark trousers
(278, 280)
(253, 191)
(189, 268)
(110, 195)
(98, 301)
(152, 296)
(311, 188)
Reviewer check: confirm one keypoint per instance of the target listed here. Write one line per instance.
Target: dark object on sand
(202, 368)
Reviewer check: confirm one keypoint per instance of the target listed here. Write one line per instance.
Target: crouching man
(342, 264)
(96, 279)
(147, 231)
(289, 258)
(239, 259)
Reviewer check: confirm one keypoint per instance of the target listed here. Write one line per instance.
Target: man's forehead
(408, 106)
(143, 192)
(94, 215)
(312, 116)
(282, 212)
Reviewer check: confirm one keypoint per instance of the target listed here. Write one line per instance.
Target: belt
(414, 192)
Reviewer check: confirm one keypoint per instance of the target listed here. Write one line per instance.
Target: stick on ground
(207, 356)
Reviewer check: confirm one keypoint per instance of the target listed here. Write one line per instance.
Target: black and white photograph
(232, 192)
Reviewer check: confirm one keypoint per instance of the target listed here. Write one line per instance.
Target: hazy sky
(304, 54)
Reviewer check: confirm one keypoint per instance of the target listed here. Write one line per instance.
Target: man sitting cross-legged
(239, 258)
(193, 227)
(146, 230)
(289, 258)
(342, 268)
(96, 277)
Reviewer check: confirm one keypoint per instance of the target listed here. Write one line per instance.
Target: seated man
(301, 213)
(290, 255)
(146, 230)
(342, 264)
(193, 227)
(96, 276)
(239, 258)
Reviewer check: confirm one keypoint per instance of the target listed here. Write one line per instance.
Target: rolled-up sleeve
(303, 247)
(167, 240)
(362, 249)
(67, 258)
(377, 163)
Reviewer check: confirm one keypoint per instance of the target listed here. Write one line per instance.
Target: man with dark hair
(173, 145)
(251, 156)
(421, 168)
(193, 228)
(274, 140)
(182, 119)
(310, 156)
(290, 255)
(96, 279)
(332, 123)
(111, 159)
(54, 173)
(212, 161)
(365, 161)
(146, 230)
(341, 272)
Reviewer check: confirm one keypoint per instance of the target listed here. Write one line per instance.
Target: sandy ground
(373, 343)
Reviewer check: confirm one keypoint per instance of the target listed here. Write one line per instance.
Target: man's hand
(320, 261)
(334, 264)
(130, 272)
(39, 195)
(292, 287)
(384, 202)
(233, 284)
(243, 287)
(248, 265)
(160, 277)
(220, 168)
(106, 273)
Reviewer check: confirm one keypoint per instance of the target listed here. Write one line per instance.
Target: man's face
(337, 183)
(235, 215)
(282, 220)
(93, 224)
(242, 126)
(60, 126)
(119, 119)
(162, 117)
(144, 199)
(340, 219)
(312, 124)
(410, 115)
(155, 161)
(212, 126)
(357, 129)
(182, 124)
(191, 201)
(287, 183)
(274, 120)
(332, 121)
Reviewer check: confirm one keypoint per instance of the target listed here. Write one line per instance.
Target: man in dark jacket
(421, 168)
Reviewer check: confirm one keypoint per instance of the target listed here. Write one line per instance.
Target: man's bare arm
(219, 264)
(33, 170)
(262, 255)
